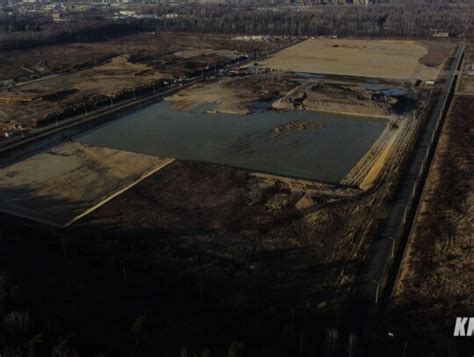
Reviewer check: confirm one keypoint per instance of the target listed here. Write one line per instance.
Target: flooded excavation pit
(301, 144)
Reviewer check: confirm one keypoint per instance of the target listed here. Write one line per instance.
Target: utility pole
(392, 253)
(352, 338)
(332, 337)
(377, 285)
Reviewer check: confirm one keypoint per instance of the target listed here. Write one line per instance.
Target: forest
(413, 21)
(22, 31)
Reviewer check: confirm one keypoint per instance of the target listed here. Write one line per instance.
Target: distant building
(439, 34)
(127, 13)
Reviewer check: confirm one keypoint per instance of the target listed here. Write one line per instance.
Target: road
(390, 242)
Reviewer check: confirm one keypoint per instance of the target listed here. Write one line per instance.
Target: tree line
(413, 21)
(23, 31)
(27, 35)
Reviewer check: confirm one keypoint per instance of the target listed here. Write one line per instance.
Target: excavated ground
(43, 84)
(236, 228)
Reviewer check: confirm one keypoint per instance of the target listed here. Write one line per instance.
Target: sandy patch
(58, 185)
(232, 95)
(226, 99)
(365, 58)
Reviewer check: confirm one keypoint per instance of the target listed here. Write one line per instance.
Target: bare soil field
(249, 236)
(74, 92)
(210, 253)
(165, 51)
(438, 270)
(69, 180)
(365, 58)
(92, 75)
(337, 98)
(234, 95)
(438, 51)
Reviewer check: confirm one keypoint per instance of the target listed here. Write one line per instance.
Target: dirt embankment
(234, 95)
(437, 273)
(338, 98)
(292, 237)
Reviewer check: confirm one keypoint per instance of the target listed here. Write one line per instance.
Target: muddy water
(325, 151)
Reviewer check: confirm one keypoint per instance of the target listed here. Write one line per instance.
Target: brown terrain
(212, 253)
(337, 98)
(243, 231)
(234, 95)
(99, 74)
(435, 285)
(61, 184)
(171, 53)
(438, 51)
(366, 58)
(466, 84)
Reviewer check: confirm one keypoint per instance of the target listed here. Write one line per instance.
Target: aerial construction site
(224, 190)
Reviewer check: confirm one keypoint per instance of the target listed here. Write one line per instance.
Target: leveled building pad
(364, 58)
(65, 183)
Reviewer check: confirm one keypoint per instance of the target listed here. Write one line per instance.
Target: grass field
(365, 58)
